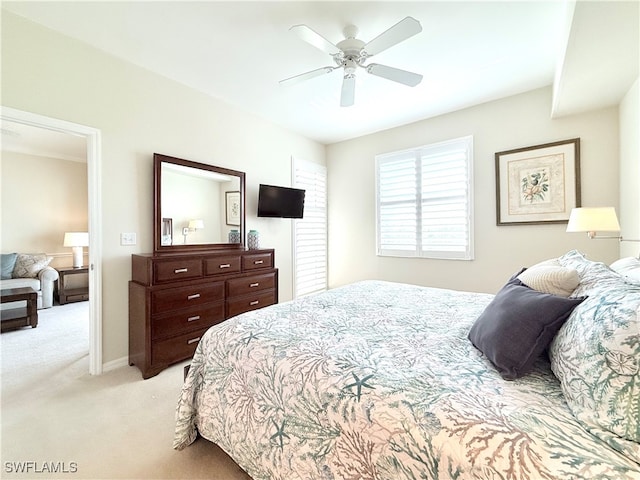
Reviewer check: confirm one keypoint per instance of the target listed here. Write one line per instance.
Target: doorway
(92, 137)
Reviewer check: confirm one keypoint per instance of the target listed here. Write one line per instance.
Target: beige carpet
(57, 417)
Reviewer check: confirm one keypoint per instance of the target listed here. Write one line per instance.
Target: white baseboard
(113, 364)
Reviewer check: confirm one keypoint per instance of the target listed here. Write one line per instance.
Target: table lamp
(76, 240)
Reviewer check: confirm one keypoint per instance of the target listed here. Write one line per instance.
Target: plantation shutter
(424, 201)
(310, 232)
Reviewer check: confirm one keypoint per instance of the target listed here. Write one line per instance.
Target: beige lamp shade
(196, 224)
(596, 219)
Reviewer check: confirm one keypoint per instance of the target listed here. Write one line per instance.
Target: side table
(76, 294)
(21, 316)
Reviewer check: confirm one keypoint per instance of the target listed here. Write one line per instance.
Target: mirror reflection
(198, 206)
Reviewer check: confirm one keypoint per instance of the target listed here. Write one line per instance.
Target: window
(424, 201)
(310, 232)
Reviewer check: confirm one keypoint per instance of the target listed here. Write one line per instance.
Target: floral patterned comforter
(377, 380)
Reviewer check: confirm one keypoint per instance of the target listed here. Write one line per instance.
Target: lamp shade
(196, 224)
(597, 219)
(76, 239)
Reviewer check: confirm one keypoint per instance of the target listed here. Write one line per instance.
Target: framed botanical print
(539, 184)
(233, 208)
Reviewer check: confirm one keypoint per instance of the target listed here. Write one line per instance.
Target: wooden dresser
(175, 298)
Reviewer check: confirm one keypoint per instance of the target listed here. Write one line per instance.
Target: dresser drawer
(221, 265)
(175, 349)
(254, 283)
(176, 270)
(236, 306)
(182, 297)
(165, 325)
(259, 260)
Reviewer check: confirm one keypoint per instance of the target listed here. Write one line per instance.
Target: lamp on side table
(76, 240)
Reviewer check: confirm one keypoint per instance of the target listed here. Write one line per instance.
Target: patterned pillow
(629, 267)
(550, 277)
(596, 353)
(29, 265)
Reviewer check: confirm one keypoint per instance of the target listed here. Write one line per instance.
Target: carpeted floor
(60, 422)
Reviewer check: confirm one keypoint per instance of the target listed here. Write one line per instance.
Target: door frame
(94, 163)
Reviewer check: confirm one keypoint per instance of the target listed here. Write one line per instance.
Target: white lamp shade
(196, 224)
(76, 239)
(597, 219)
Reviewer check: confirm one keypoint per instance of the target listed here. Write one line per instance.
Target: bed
(381, 380)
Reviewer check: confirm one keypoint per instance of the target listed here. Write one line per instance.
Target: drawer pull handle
(193, 319)
(225, 265)
(258, 262)
(193, 340)
(181, 270)
(254, 285)
(255, 302)
(194, 296)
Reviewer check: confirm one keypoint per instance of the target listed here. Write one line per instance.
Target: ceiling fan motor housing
(351, 46)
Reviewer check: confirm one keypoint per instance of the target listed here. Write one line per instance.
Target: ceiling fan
(351, 53)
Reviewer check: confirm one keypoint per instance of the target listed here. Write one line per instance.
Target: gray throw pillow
(518, 325)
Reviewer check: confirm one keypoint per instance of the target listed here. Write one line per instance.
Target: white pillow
(628, 266)
(551, 277)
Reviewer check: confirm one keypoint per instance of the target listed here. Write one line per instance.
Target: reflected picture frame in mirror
(167, 231)
(191, 207)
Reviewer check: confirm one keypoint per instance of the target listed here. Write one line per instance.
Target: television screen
(283, 202)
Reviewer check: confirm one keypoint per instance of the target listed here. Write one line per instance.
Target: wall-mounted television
(281, 202)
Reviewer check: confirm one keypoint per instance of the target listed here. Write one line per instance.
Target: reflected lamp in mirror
(595, 219)
(194, 225)
(76, 240)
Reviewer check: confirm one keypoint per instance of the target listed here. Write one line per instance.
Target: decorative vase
(253, 240)
(234, 236)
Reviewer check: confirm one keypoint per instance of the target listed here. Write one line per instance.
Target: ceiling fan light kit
(352, 53)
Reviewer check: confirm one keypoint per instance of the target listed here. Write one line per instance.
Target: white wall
(140, 113)
(186, 198)
(519, 121)
(629, 212)
(41, 199)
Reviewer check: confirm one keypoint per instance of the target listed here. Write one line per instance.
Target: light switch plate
(127, 239)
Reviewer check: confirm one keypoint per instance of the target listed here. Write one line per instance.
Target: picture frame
(232, 203)
(538, 184)
(167, 231)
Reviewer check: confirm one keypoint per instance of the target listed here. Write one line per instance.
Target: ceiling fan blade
(306, 76)
(348, 90)
(405, 28)
(401, 76)
(314, 38)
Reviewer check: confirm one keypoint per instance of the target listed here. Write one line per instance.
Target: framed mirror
(196, 206)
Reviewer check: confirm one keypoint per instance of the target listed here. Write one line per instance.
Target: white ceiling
(29, 140)
(469, 53)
